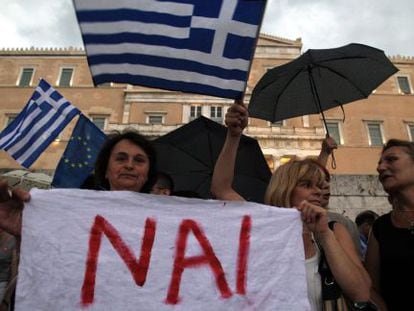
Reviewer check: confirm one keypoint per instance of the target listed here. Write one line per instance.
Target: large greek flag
(197, 46)
(40, 122)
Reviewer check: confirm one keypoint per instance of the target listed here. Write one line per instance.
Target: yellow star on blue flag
(78, 160)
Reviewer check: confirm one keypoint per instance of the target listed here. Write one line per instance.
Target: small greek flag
(196, 46)
(40, 122)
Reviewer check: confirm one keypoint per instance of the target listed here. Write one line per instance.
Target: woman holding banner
(126, 162)
(298, 184)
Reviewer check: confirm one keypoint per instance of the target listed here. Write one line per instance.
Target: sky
(384, 24)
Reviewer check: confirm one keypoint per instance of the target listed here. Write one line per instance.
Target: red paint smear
(180, 262)
(138, 268)
(244, 247)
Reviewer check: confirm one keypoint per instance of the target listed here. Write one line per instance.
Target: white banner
(96, 250)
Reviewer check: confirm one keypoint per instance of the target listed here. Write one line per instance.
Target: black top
(396, 247)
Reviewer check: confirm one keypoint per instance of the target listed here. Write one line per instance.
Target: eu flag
(80, 154)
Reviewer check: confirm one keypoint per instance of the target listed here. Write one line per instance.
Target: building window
(277, 123)
(155, 119)
(65, 79)
(334, 132)
(375, 134)
(105, 84)
(216, 113)
(411, 131)
(195, 112)
(404, 85)
(26, 77)
(99, 121)
(9, 119)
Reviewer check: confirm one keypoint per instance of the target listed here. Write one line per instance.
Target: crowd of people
(367, 259)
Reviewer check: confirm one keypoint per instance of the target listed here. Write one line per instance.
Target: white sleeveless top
(313, 280)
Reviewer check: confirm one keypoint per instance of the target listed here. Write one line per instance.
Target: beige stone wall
(46, 66)
(128, 106)
(352, 194)
(395, 111)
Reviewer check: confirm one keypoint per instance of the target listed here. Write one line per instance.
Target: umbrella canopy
(319, 80)
(27, 180)
(189, 153)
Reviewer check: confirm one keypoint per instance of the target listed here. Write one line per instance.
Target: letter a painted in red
(243, 256)
(138, 268)
(181, 262)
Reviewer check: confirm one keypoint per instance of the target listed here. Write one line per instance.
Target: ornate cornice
(401, 59)
(43, 51)
(272, 37)
(80, 51)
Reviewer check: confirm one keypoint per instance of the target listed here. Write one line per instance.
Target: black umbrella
(319, 80)
(189, 153)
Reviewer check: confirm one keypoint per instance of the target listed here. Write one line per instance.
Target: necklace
(406, 220)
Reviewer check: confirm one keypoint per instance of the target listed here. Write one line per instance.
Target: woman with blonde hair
(284, 181)
(297, 184)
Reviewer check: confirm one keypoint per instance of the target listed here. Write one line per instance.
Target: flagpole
(253, 51)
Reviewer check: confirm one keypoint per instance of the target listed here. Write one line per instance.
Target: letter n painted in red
(138, 268)
(181, 262)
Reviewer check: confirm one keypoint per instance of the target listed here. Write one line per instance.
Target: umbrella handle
(333, 162)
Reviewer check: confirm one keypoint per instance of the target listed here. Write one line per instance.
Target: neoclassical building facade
(387, 113)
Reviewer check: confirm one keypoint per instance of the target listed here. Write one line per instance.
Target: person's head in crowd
(396, 166)
(326, 186)
(126, 161)
(164, 184)
(364, 222)
(186, 194)
(294, 182)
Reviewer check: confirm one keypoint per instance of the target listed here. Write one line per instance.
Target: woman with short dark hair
(103, 160)
(126, 161)
(390, 254)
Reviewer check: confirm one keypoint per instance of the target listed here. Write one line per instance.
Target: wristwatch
(364, 306)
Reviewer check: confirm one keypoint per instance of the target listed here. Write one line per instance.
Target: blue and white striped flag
(40, 122)
(197, 46)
